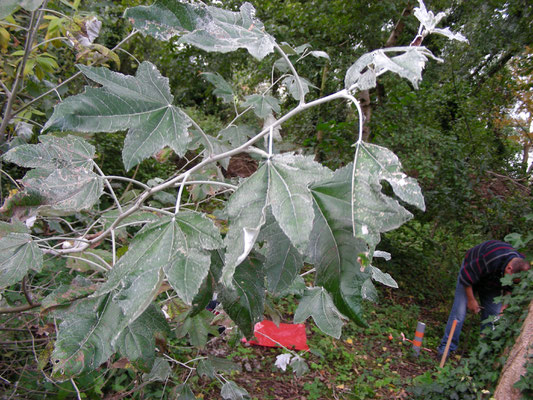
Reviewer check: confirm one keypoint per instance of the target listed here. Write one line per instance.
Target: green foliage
(472, 379)
(141, 241)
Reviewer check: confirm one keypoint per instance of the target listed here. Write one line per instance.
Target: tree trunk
(515, 365)
(364, 96)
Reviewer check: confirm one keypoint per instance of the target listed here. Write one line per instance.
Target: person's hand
(473, 306)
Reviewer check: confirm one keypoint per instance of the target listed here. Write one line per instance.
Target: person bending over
(483, 267)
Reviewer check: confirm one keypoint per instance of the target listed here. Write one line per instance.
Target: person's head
(517, 265)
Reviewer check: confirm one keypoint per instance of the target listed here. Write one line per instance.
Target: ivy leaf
(244, 302)
(208, 28)
(374, 212)
(283, 261)
(142, 104)
(137, 340)
(53, 153)
(262, 105)
(222, 88)
(231, 391)
(317, 303)
(18, 254)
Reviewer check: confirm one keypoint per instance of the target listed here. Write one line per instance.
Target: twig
(11, 310)
(34, 24)
(26, 291)
(75, 388)
(71, 78)
(296, 76)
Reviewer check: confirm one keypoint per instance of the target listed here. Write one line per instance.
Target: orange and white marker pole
(419, 336)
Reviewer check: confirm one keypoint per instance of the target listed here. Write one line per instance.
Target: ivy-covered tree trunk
(515, 366)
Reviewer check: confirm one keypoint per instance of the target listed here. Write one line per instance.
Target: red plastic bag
(291, 336)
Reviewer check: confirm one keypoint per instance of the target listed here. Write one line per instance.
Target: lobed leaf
(206, 27)
(244, 300)
(317, 303)
(373, 211)
(283, 261)
(142, 104)
(332, 247)
(263, 105)
(222, 88)
(53, 153)
(137, 340)
(18, 254)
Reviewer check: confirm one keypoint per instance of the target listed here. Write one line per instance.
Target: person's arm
(471, 302)
(506, 293)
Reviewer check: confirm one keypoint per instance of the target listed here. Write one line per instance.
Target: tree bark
(515, 365)
(364, 96)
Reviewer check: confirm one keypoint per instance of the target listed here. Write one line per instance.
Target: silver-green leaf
(142, 104)
(373, 212)
(18, 254)
(206, 27)
(317, 303)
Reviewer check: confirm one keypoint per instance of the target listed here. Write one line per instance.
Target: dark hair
(519, 265)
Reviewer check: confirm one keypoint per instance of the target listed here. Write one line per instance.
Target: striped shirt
(484, 265)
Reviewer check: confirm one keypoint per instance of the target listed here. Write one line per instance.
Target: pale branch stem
(13, 25)
(158, 210)
(17, 309)
(109, 187)
(204, 135)
(68, 80)
(278, 343)
(308, 272)
(217, 183)
(237, 117)
(125, 179)
(8, 114)
(10, 178)
(180, 192)
(131, 55)
(48, 41)
(59, 14)
(8, 92)
(26, 290)
(213, 158)
(357, 147)
(146, 187)
(60, 238)
(113, 247)
(178, 362)
(296, 76)
(257, 151)
(98, 266)
(270, 142)
(78, 394)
